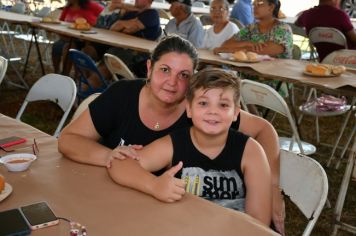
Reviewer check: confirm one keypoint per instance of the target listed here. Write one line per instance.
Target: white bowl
(18, 166)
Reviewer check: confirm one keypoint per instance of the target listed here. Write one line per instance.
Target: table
(86, 194)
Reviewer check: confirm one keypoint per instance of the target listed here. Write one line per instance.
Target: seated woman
(222, 29)
(74, 9)
(140, 111)
(267, 36)
(208, 159)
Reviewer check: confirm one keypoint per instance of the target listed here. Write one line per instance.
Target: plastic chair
(83, 64)
(205, 20)
(237, 22)
(55, 88)
(164, 14)
(198, 4)
(3, 68)
(117, 67)
(305, 182)
(83, 105)
(345, 57)
(263, 95)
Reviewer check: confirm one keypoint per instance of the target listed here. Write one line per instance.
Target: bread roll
(2, 183)
(240, 55)
(47, 19)
(251, 56)
(338, 70)
(80, 20)
(321, 70)
(84, 26)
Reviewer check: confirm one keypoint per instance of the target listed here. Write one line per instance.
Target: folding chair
(340, 57)
(84, 105)
(348, 176)
(55, 88)
(84, 64)
(198, 4)
(3, 68)
(205, 20)
(263, 95)
(237, 22)
(304, 180)
(117, 67)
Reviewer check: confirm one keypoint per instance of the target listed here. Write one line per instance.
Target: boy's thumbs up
(174, 170)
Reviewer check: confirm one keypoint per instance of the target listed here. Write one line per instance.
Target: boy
(220, 165)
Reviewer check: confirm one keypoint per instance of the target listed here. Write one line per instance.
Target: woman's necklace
(157, 126)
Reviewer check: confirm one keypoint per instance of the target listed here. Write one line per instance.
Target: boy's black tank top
(220, 179)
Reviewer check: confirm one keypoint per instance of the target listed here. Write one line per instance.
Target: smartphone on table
(39, 215)
(12, 223)
(10, 141)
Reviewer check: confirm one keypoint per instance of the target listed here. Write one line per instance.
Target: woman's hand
(278, 211)
(167, 188)
(123, 152)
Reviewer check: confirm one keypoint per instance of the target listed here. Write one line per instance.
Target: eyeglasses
(34, 146)
(220, 9)
(258, 3)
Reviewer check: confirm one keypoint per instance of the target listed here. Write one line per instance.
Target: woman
(267, 36)
(74, 9)
(138, 112)
(222, 29)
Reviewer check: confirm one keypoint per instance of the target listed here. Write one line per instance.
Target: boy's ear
(237, 112)
(148, 65)
(188, 109)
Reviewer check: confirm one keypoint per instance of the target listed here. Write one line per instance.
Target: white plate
(322, 76)
(230, 57)
(6, 192)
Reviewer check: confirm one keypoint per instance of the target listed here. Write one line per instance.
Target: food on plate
(48, 19)
(240, 55)
(338, 70)
(2, 183)
(252, 56)
(80, 24)
(324, 69)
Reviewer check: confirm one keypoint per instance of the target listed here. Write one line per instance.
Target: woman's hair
(82, 3)
(210, 78)
(277, 6)
(174, 43)
(224, 2)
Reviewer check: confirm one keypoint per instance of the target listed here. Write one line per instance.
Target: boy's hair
(210, 78)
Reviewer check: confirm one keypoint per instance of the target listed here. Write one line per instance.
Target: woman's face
(169, 77)
(218, 12)
(262, 9)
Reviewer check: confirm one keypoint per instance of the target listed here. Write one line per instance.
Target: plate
(71, 27)
(230, 57)
(322, 76)
(246, 61)
(50, 22)
(6, 192)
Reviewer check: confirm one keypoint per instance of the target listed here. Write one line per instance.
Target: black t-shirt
(219, 180)
(116, 117)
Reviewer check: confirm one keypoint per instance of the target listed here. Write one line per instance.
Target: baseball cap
(186, 2)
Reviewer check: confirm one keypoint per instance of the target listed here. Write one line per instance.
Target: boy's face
(213, 110)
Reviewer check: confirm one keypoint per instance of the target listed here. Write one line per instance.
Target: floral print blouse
(281, 34)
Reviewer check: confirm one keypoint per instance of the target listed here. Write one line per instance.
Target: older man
(184, 23)
(328, 14)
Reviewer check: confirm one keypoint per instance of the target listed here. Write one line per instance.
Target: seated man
(242, 11)
(139, 20)
(184, 23)
(327, 14)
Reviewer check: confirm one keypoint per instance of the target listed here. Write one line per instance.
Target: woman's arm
(78, 141)
(153, 157)
(257, 179)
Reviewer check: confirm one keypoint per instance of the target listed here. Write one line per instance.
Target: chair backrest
(83, 105)
(84, 65)
(255, 93)
(237, 22)
(19, 7)
(343, 57)
(3, 68)
(198, 4)
(163, 14)
(56, 88)
(304, 180)
(206, 20)
(117, 67)
(43, 12)
(327, 35)
(296, 52)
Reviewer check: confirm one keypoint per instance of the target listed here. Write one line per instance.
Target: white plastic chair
(263, 95)
(198, 4)
(304, 180)
(117, 67)
(3, 68)
(84, 104)
(345, 57)
(56, 88)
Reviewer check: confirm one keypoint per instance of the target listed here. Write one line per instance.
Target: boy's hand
(167, 188)
(123, 152)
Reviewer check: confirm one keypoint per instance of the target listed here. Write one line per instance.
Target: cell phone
(39, 215)
(89, 32)
(10, 141)
(13, 223)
